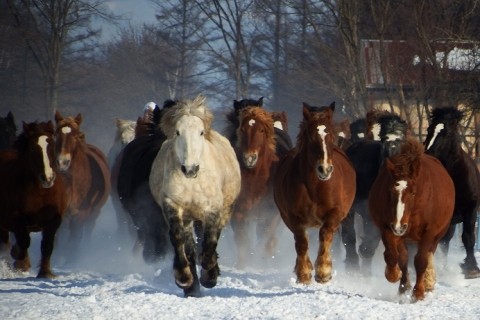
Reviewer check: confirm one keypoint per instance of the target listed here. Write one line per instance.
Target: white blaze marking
(42, 142)
(66, 130)
(278, 125)
(401, 185)
(393, 137)
(251, 122)
(376, 132)
(323, 134)
(341, 134)
(361, 135)
(439, 127)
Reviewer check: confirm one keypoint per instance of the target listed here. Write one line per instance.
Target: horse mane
(408, 160)
(391, 122)
(195, 107)
(266, 120)
(448, 114)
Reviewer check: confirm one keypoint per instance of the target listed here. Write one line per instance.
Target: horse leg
(4, 240)
(445, 241)
(19, 251)
(370, 241)
(240, 230)
(303, 265)
(181, 266)
(190, 252)
(470, 267)
(349, 239)
(405, 284)
(421, 263)
(323, 263)
(48, 239)
(430, 274)
(390, 255)
(209, 255)
(271, 242)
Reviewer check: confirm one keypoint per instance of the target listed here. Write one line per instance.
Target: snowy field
(107, 282)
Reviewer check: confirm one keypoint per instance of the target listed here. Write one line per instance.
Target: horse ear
(26, 127)
(58, 116)
(236, 105)
(260, 102)
(390, 165)
(10, 117)
(78, 119)
(332, 106)
(50, 126)
(306, 110)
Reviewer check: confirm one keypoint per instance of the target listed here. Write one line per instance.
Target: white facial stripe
(66, 130)
(361, 135)
(401, 185)
(251, 122)
(439, 127)
(42, 142)
(323, 134)
(393, 137)
(341, 134)
(278, 125)
(376, 132)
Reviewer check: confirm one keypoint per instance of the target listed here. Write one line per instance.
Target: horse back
(100, 172)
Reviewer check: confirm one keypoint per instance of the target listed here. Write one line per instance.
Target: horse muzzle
(324, 172)
(63, 163)
(250, 159)
(47, 182)
(399, 231)
(190, 171)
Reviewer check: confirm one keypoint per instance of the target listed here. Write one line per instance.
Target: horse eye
(178, 133)
(201, 133)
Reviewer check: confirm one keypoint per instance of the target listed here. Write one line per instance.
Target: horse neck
(449, 152)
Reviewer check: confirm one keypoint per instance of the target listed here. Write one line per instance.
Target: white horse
(195, 177)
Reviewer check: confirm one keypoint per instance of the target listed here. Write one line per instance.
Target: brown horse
(256, 153)
(33, 196)
(87, 172)
(412, 199)
(314, 187)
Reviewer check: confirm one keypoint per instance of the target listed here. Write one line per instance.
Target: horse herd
(176, 182)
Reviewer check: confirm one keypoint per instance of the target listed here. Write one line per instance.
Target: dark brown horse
(33, 197)
(412, 199)
(86, 169)
(444, 142)
(256, 153)
(314, 187)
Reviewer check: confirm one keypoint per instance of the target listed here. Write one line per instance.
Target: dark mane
(35, 128)
(446, 114)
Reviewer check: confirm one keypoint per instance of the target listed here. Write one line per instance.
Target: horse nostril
(184, 170)
(404, 226)
(195, 169)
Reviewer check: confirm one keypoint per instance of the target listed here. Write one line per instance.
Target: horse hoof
(208, 279)
(46, 275)
(193, 291)
(472, 273)
(323, 279)
(304, 279)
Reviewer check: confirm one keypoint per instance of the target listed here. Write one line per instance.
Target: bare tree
(52, 29)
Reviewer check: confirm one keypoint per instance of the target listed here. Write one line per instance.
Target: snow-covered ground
(107, 282)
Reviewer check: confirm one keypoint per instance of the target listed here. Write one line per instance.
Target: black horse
(443, 142)
(8, 131)
(134, 191)
(367, 155)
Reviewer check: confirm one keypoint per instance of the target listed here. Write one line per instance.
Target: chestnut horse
(33, 196)
(314, 187)
(412, 199)
(444, 142)
(87, 172)
(256, 153)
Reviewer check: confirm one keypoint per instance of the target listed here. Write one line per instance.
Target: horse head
(67, 136)
(404, 169)
(443, 127)
(38, 145)
(255, 134)
(188, 125)
(318, 137)
(393, 132)
(126, 130)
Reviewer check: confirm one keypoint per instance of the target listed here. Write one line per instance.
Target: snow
(107, 281)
